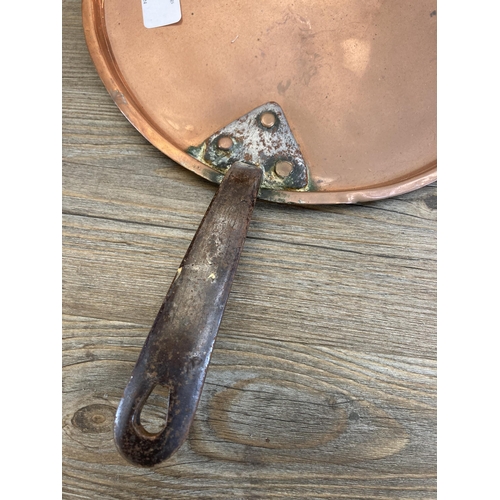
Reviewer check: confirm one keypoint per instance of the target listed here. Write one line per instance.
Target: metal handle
(178, 348)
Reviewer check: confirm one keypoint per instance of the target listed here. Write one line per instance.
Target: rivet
(283, 168)
(225, 143)
(268, 119)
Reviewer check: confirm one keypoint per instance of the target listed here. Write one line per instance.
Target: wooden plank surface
(323, 379)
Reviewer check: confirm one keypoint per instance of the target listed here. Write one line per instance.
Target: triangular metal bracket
(263, 138)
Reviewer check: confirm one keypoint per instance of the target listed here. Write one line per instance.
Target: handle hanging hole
(153, 416)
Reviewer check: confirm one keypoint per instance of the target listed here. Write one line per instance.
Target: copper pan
(350, 89)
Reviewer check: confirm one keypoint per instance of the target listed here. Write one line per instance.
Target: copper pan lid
(356, 80)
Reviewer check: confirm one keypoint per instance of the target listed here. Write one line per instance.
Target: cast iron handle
(178, 348)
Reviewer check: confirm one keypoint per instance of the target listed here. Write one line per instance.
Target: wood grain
(323, 379)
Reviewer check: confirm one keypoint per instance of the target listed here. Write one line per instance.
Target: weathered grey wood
(322, 382)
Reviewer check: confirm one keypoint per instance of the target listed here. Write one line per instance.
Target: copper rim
(98, 42)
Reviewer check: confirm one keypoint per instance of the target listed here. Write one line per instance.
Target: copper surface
(283, 168)
(356, 79)
(225, 143)
(268, 120)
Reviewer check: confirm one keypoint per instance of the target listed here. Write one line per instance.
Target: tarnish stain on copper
(283, 87)
(303, 23)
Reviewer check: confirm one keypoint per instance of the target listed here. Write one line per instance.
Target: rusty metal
(357, 81)
(260, 145)
(178, 348)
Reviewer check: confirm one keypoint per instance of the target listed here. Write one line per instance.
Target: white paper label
(160, 12)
